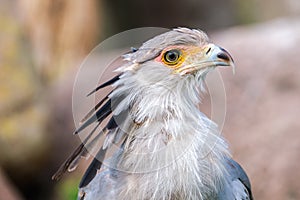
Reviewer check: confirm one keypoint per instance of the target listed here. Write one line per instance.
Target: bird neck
(170, 139)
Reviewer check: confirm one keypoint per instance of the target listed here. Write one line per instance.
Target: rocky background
(42, 44)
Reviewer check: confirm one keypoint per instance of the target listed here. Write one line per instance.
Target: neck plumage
(170, 140)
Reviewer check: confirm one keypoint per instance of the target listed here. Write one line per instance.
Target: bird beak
(209, 56)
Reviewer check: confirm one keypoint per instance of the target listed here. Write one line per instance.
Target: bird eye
(172, 57)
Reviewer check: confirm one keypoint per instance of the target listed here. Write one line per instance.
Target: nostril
(223, 56)
(207, 52)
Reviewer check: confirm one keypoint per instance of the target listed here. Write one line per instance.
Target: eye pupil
(172, 56)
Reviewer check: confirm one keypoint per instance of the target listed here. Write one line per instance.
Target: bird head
(180, 52)
(168, 70)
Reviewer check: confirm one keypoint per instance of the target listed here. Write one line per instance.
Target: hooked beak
(209, 56)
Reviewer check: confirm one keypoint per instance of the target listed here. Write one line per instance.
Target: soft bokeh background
(43, 42)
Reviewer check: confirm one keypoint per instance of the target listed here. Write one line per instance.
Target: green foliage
(68, 189)
(246, 11)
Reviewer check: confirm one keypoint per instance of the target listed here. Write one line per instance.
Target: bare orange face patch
(174, 56)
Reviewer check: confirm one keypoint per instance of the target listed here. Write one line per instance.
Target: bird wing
(239, 187)
(93, 191)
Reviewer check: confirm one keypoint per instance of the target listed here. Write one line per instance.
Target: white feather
(177, 152)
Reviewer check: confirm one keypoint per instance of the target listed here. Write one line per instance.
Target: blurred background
(43, 42)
